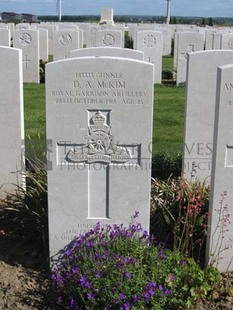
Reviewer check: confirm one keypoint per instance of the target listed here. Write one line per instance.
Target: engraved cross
(26, 61)
(98, 154)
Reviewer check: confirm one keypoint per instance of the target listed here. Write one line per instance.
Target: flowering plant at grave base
(223, 221)
(115, 267)
(181, 209)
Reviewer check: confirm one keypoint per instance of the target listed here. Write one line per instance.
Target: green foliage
(167, 74)
(42, 70)
(210, 22)
(27, 209)
(115, 267)
(164, 165)
(203, 23)
(128, 41)
(180, 208)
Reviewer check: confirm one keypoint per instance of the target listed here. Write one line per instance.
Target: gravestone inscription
(101, 156)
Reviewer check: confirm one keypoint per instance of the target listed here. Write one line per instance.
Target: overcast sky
(203, 8)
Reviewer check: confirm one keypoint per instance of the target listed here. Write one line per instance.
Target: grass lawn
(168, 120)
(34, 120)
(167, 63)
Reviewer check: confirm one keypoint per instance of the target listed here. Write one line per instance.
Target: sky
(202, 8)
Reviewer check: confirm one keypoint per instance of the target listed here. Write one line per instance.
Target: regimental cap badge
(98, 119)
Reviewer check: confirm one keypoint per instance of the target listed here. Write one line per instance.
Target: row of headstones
(148, 42)
(186, 42)
(151, 42)
(97, 102)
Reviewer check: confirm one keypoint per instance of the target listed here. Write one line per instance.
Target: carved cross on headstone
(100, 153)
(190, 49)
(26, 61)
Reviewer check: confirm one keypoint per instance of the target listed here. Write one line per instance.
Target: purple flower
(127, 275)
(182, 262)
(138, 227)
(119, 264)
(163, 255)
(73, 303)
(146, 295)
(68, 252)
(59, 299)
(75, 270)
(135, 298)
(126, 306)
(90, 296)
(84, 282)
(104, 243)
(172, 277)
(122, 296)
(168, 292)
(98, 274)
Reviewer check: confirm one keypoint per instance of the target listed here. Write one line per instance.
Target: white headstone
(111, 38)
(151, 44)
(108, 51)
(217, 39)
(22, 26)
(200, 110)
(74, 27)
(220, 234)
(167, 39)
(101, 157)
(135, 31)
(187, 42)
(227, 41)
(64, 41)
(5, 39)
(28, 42)
(209, 39)
(90, 35)
(44, 44)
(50, 36)
(11, 120)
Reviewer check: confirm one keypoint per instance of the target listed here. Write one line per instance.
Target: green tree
(210, 21)
(203, 23)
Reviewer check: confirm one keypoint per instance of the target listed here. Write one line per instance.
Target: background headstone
(5, 39)
(227, 41)
(151, 44)
(111, 38)
(108, 51)
(11, 120)
(90, 35)
(64, 41)
(28, 41)
(200, 110)
(187, 42)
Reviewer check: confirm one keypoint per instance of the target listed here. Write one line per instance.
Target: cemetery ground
(23, 235)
